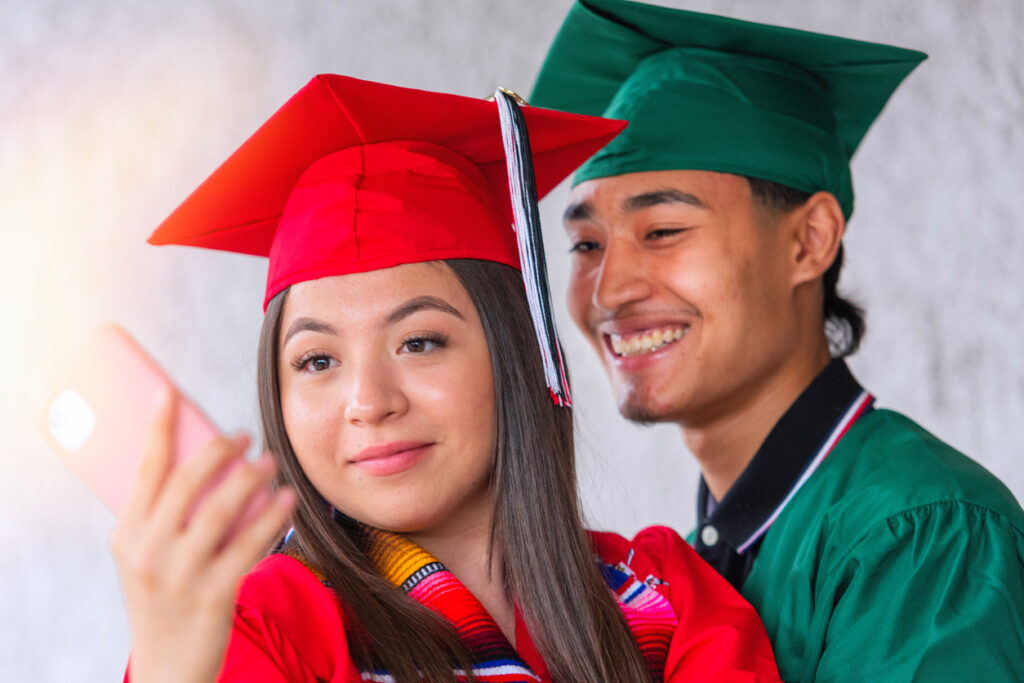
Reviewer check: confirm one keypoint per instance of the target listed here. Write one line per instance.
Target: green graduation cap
(718, 94)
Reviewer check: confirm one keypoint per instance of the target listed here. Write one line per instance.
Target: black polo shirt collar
(729, 532)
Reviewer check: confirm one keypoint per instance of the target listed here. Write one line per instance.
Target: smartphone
(100, 414)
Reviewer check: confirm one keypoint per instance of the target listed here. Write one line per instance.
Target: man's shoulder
(888, 484)
(889, 474)
(887, 465)
(895, 527)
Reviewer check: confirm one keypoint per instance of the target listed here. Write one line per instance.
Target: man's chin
(642, 412)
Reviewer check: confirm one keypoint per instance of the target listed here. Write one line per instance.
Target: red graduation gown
(288, 627)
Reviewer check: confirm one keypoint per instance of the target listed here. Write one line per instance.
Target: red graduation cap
(351, 176)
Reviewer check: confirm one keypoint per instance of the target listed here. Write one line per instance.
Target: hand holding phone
(180, 562)
(193, 514)
(101, 416)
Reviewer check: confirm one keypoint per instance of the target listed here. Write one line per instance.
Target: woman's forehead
(376, 295)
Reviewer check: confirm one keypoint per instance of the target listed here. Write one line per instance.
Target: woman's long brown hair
(546, 559)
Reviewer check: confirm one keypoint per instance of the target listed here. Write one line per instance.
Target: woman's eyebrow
(420, 303)
(304, 324)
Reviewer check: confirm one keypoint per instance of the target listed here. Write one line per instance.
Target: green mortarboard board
(718, 94)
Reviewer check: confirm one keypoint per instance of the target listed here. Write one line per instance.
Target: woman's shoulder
(655, 546)
(278, 579)
(285, 617)
(660, 557)
(713, 633)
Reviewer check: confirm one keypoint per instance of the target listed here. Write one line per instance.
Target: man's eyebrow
(304, 324)
(655, 197)
(577, 211)
(581, 211)
(421, 303)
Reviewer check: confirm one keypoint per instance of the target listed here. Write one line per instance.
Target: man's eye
(661, 233)
(583, 247)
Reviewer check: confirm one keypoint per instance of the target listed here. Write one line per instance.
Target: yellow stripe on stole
(395, 557)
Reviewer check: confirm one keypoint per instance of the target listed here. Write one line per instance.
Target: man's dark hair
(844, 319)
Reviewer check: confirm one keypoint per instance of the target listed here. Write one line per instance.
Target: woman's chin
(397, 521)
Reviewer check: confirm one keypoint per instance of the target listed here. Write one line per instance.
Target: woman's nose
(374, 395)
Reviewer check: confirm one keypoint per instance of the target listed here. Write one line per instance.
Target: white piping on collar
(852, 413)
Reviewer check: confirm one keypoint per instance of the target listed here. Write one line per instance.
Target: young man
(707, 243)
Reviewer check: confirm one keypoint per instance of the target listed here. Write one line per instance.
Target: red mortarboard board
(351, 176)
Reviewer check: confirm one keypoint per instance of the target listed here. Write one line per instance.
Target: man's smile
(645, 341)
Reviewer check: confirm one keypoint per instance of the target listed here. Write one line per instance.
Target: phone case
(100, 416)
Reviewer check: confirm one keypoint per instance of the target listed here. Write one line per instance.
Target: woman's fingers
(156, 463)
(189, 480)
(229, 506)
(180, 574)
(254, 538)
(157, 458)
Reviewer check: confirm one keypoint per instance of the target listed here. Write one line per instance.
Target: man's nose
(622, 277)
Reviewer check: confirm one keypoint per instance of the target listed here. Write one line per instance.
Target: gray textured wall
(112, 111)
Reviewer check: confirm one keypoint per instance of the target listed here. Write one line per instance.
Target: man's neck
(725, 445)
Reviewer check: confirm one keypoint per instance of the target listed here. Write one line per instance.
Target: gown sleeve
(719, 637)
(287, 629)
(936, 593)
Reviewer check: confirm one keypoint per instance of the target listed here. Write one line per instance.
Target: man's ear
(817, 232)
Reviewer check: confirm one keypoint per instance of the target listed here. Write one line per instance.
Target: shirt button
(709, 535)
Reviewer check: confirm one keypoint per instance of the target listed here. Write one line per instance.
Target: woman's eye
(423, 344)
(316, 363)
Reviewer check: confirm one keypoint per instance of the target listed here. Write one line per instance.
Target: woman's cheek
(310, 420)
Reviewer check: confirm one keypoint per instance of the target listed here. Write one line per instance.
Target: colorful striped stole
(649, 615)
(408, 566)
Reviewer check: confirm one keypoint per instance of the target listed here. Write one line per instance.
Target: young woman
(418, 445)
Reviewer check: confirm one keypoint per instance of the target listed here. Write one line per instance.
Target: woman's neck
(464, 552)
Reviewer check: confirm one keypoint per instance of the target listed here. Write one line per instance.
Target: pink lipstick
(390, 458)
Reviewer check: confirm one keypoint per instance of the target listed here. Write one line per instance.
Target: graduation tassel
(523, 193)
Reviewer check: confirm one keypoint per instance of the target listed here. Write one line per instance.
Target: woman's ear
(817, 231)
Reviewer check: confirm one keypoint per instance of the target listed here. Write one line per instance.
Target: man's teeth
(636, 344)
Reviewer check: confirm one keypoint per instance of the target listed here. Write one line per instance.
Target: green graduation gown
(897, 559)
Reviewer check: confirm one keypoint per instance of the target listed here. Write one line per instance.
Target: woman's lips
(390, 458)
